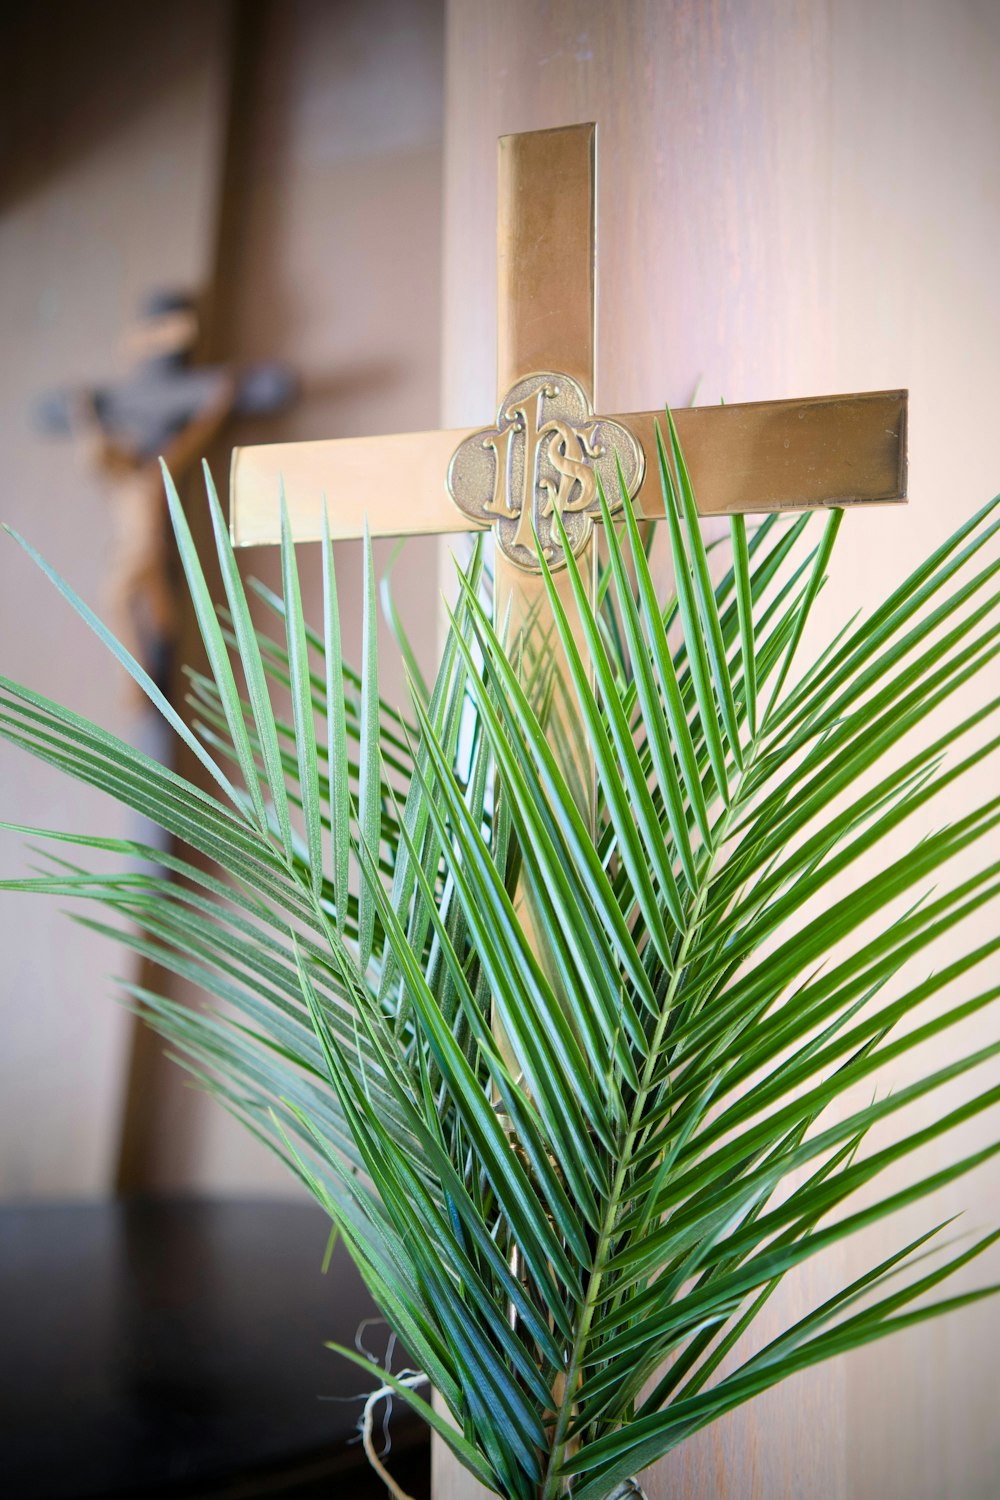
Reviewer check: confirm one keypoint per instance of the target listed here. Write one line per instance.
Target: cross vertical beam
(546, 320)
(546, 261)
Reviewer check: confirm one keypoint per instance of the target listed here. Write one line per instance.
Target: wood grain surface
(767, 229)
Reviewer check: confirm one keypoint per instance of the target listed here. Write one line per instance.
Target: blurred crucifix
(169, 407)
(173, 407)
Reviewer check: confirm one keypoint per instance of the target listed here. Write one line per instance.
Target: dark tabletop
(177, 1349)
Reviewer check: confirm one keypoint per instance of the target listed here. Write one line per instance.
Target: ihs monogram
(543, 457)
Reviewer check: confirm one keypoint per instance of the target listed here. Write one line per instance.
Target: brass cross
(543, 452)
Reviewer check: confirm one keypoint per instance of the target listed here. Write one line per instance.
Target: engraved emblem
(543, 456)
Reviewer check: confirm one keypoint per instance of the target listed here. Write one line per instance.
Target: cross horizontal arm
(762, 456)
(397, 482)
(754, 457)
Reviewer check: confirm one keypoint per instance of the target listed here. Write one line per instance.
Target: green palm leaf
(572, 1178)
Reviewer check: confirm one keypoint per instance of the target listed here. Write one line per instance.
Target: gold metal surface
(546, 194)
(784, 455)
(754, 457)
(543, 458)
(545, 321)
(398, 482)
(546, 312)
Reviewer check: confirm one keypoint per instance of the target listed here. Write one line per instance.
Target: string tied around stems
(629, 1489)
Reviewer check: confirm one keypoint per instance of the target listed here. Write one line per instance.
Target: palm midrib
(635, 1136)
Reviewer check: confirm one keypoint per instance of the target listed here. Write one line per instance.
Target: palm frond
(573, 1169)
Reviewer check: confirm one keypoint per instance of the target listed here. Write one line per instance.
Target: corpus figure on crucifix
(170, 407)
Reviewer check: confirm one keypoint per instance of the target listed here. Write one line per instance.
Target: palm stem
(551, 1482)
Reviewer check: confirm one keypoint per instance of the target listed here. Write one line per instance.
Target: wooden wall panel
(915, 183)
(794, 198)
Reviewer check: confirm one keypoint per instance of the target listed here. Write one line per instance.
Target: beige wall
(109, 185)
(916, 192)
(795, 198)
